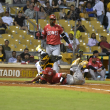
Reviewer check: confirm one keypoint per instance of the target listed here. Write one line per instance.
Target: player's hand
(70, 46)
(99, 70)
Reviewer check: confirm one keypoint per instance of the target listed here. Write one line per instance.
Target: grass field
(33, 98)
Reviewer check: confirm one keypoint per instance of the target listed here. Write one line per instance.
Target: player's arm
(65, 37)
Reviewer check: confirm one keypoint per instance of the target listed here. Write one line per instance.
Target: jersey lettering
(52, 32)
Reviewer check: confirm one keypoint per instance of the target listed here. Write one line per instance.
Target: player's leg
(56, 51)
(78, 76)
(48, 49)
(102, 74)
(92, 74)
(69, 79)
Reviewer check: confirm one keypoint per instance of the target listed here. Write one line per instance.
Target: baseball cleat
(75, 62)
(38, 48)
(83, 63)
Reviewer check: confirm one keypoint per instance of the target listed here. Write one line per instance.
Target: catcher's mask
(44, 59)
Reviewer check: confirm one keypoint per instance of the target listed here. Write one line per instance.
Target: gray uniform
(77, 78)
(54, 50)
(95, 74)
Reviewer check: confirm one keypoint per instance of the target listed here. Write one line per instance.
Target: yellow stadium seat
(2, 41)
(72, 23)
(30, 23)
(17, 36)
(25, 42)
(31, 49)
(20, 47)
(6, 36)
(14, 10)
(22, 32)
(12, 46)
(14, 41)
(57, 15)
(84, 48)
(29, 37)
(42, 23)
(66, 11)
(63, 22)
(92, 19)
(36, 42)
(12, 32)
(96, 48)
(16, 28)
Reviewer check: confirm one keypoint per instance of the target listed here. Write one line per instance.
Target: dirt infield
(87, 87)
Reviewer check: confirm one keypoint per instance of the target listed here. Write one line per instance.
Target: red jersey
(98, 60)
(52, 34)
(96, 65)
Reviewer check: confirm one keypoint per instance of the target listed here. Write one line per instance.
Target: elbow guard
(65, 37)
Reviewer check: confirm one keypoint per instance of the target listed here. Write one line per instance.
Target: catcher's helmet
(44, 59)
(52, 16)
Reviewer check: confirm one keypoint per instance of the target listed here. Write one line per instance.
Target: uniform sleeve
(44, 31)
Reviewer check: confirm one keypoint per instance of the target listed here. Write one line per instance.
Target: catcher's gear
(55, 58)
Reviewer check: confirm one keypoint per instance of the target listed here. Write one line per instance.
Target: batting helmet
(48, 71)
(52, 16)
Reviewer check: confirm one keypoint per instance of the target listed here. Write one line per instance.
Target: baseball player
(51, 77)
(45, 61)
(96, 68)
(52, 34)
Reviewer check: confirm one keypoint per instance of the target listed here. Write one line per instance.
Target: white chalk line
(98, 84)
(88, 88)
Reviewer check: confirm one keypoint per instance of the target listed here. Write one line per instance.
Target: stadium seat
(96, 48)
(2, 41)
(42, 23)
(17, 36)
(72, 23)
(92, 19)
(12, 46)
(14, 10)
(29, 37)
(6, 36)
(16, 28)
(84, 37)
(22, 32)
(14, 41)
(85, 48)
(25, 42)
(30, 23)
(57, 15)
(4, 8)
(12, 32)
(20, 47)
(31, 49)
(36, 42)
(66, 11)
(63, 22)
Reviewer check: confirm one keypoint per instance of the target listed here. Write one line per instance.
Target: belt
(51, 44)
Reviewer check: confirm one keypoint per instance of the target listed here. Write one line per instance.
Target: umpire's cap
(95, 51)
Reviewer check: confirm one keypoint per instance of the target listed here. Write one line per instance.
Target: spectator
(37, 6)
(2, 54)
(99, 8)
(19, 20)
(42, 14)
(2, 27)
(13, 58)
(96, 68)
(1, 10)
(27, 6)
(80, 27)
(80, 8)
(18, 59)
(7, 19)
(48, 9)
(90, 10)
(26, 58)
(71, 13)
(32, 59)
(84, 15)
(92, 41)
(108, 17)
(62, 14)
(102, 39)
(55, 7)
(78, 33)
(6, 47)
(33, 2)
(29, 13)
(105, 45)
(26, 50)
(70, 50)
